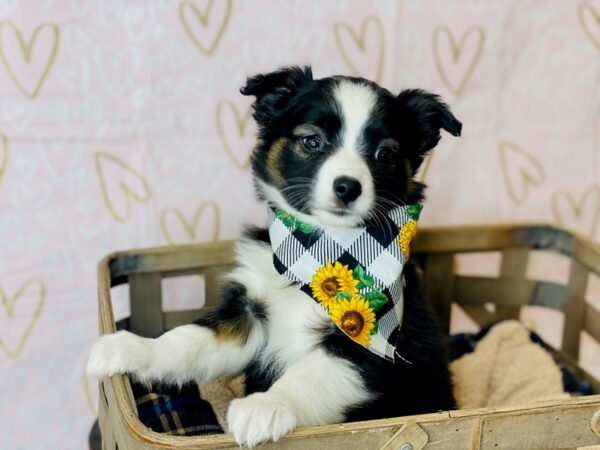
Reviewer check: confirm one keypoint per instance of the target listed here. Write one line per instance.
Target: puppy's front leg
(222, 342)
(316, 390)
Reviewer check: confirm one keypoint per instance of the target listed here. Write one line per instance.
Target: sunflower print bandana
(355, 274)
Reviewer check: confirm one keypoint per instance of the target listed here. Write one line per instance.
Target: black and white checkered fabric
(300, 250)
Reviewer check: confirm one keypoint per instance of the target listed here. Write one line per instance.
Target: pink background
(121, 126)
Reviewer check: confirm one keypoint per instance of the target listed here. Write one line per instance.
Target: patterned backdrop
(121, 126)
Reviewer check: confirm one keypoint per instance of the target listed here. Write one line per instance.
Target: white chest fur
(295, 321)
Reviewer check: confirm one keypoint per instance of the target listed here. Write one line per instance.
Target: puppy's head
(340, 150)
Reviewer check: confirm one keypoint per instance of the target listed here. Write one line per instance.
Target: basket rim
(144, 434)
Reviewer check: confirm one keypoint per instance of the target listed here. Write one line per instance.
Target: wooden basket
(567, 423)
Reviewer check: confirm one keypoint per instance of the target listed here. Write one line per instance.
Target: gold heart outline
(190, 228)
(9, 308)
(241, 122)
(127, 191)
(583, 7)
(503, 146)
(359, 40)
(456, 53)
(26, 50)
(203, 17)
(4, 149)
(577, 206)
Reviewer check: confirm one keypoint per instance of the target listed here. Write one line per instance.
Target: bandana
(355, 274)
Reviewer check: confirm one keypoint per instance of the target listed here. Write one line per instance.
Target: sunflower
(331, 279)
(355, 317)
(406, 235)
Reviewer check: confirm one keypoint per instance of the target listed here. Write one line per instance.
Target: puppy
(334, 153)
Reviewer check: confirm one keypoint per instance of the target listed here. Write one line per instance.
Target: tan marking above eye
(307, 129)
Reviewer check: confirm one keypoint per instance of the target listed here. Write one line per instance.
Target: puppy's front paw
(259, 417)
(122, 352)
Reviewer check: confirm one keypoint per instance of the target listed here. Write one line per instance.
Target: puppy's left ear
(426, 115)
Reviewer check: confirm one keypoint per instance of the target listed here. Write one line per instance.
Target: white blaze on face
(356, 103)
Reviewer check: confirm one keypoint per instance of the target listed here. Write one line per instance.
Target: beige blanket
(506, 368)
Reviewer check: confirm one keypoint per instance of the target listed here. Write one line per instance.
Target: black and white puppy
(333, 152)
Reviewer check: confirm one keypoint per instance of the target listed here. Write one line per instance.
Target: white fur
(274, 196)
(313, 387)
(315, 390)
(294, 322)
(258, 418)
(185, 353)
(356, 102)
(255, 270)
(319, 388)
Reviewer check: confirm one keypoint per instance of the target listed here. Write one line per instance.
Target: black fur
(257, 234)
(273, 91)
(424, 115)
(408, 125)
(235, 316)
(417, 383)
(290, 97)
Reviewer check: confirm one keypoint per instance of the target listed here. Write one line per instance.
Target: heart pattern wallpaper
(122, 126)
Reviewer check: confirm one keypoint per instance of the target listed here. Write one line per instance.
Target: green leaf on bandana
(414, 211)
(374, 330)
(281, 214)
(287, 219)
(364, 280)
(305, 228)
(376, 299)
(343, 296)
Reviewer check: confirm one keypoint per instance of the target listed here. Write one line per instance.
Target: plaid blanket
(179, 412)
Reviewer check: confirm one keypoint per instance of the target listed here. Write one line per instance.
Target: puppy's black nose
(347, 189)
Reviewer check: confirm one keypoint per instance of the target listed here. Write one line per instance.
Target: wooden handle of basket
(409, 437)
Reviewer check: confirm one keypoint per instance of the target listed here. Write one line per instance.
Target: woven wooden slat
(145, 298)
(513, 267)
(508, 292)
(184, 260)
(575, 309)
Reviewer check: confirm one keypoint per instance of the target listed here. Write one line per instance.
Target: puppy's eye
(312, 143)
(383, 155)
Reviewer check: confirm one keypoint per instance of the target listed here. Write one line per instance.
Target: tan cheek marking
(273, 159)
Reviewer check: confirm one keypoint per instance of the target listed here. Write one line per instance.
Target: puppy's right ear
(273, 90)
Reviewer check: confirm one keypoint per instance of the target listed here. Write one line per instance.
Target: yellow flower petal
(355, 317)
(331, 279)
(408, 232)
